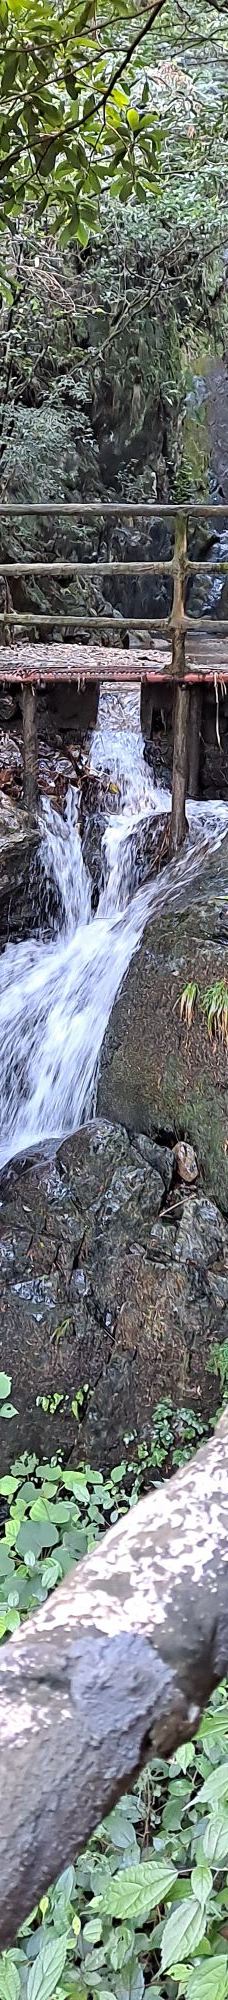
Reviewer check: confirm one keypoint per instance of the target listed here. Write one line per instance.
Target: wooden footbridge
(180, 649)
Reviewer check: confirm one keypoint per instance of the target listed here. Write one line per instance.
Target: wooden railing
(180, 567)
(182, 662)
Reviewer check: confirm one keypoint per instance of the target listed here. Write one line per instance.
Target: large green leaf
(214, 1725)
(59, 1511)
(209, 1981)
(215, 1839)
(183, 1931)
(34, 1536)
(120, 1947)
(47, 1970)
(132, 1894)
(9, 1977)
(202, 1883)
(120, 1828)
(215, 1787)
(6, 1563)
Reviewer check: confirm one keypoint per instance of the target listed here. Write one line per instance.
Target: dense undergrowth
(98, 357)
(145, 1907)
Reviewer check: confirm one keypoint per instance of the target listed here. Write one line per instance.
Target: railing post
(179, 824)
(177, 621)
(178, 828)
(29, 747)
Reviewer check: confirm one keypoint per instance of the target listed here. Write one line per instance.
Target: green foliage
(59, 1400)
(175, 1435)
(69, 126)
(92, 390)
(6, 1409)
(124, 103)
(55, 1515)
(218, 1363)
(145, 1908)
(147, 1902)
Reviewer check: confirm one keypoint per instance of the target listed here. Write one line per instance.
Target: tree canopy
(72, 117)
(96, 99)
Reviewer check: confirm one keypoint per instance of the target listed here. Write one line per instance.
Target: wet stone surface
(112, 1276)
(155, 1073)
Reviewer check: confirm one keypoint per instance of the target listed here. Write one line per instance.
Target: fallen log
(114, 1669)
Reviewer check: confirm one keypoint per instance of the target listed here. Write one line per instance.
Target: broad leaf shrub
(145, 1909)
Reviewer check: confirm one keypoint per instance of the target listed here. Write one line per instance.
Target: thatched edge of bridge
(42, 663)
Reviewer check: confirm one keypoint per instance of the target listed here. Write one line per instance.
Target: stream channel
(114, 1276)
(56, 996)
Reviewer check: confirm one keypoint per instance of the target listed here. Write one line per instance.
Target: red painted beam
(38, 665)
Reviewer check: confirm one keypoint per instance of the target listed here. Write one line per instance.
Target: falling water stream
(56, 995)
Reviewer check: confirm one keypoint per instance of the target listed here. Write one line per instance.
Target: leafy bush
(145, 1908)
(54, 1515)
(218, 1364)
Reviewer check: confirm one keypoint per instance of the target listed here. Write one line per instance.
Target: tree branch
(131, 51)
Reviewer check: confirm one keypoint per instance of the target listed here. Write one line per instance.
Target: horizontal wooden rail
(109, 568)
(94, 568)
(170, 509)
(153, 625)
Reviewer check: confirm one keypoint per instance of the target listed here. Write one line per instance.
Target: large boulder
(157, 1076)
(114, 1282)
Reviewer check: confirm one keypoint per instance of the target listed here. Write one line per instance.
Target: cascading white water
(56, 997)
(61, 857)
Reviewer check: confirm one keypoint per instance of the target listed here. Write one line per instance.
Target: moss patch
(155, 1074)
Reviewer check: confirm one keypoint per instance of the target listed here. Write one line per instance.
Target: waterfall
(56, 995)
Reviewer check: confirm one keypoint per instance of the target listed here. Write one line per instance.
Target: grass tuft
(215, 1008)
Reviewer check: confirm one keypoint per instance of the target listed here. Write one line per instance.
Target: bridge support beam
(195, 719)
(29, 747)
(179, 825)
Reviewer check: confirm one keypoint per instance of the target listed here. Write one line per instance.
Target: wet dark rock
(159, 1157)
(163, 1240)
(18, 849)
(155, 1074)
(157, 727)
(107, 1280)
(139, 856)
(201, 1235)
(30, 901)
(72, 707)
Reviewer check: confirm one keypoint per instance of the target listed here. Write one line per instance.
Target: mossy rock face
(111, 1277)
(157, 1076)
(19, 844)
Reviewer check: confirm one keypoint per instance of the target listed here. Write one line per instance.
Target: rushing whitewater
(56, 997)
